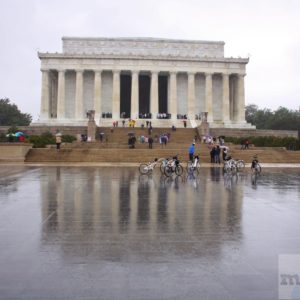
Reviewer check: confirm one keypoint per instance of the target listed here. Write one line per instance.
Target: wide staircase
(114, 148)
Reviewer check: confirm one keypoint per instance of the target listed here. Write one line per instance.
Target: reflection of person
(58, 141)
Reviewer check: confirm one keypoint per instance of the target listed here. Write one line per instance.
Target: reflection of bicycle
(173, 166)
(147, 168)
(193, 166)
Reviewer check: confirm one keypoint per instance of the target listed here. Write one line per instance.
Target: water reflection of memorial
(140, 218)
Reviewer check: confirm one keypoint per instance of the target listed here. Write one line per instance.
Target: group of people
(245, 144)
(164, 139)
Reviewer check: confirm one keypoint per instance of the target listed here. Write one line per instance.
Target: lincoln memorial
(160, 80)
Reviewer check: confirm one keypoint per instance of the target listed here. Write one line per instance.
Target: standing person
(165, 140)
(184, 123)
(58, 141)
(101, 136)
(191, 152)
(123, 122)
(150, 141)
(217, 155)
(224, 153)
(242, 144)
(247, 144)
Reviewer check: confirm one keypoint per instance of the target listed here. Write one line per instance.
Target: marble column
(79, 95)
(116, 95)
(225, 98)
(191, 96)
(97, 94)
(134, 113)
(172, 106)
(61, 95)
(154, 94)
(240, 103)
(45, 99)
(208, 96)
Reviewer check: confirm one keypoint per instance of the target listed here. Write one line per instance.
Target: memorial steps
(116, 149)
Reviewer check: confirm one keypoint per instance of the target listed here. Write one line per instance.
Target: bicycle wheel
(143, 168)
(162, 167)
(168, 171)
(240, 165)
(227, 168)
(179, 170)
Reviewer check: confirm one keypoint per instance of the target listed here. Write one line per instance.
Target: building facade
(160, 80)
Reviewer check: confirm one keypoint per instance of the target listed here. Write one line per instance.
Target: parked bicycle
(163, 164)
(230, 165)
(173, 166)
(147, 168)
(255, 166)
(240, 164)
(233, 165)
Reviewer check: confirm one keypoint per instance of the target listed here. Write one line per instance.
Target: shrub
(47, 138)
(268, 141)
(66, 138)
(3, 137)
(12, 129)
(41, 141)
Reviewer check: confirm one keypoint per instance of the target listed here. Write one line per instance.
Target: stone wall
(74, 130)
(14, 152)
(37, 130)
(131, 47)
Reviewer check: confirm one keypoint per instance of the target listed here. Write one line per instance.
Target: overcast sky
(266, 31)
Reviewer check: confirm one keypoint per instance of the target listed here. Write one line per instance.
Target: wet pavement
(109, 233)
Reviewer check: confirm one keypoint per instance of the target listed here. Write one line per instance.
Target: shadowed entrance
(144, 95)
(125, 96)
(163, 94)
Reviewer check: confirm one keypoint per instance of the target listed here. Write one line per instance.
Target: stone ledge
(14, 151)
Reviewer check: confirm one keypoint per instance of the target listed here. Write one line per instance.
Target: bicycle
(193, 166)
(163, 164)
(230, 165)
(146, 168)
(240, 164)
(173, 166)
(255, 166)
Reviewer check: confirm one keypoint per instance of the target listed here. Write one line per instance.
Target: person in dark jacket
(150, 142)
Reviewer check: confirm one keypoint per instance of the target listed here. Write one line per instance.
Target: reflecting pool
(110, 233)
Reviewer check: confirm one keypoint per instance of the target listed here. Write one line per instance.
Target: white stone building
(160, 80)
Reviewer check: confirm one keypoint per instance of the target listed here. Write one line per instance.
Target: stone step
(142, 155)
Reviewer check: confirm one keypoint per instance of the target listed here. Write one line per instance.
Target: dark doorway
(125, 96)
(163, 94)
(144, 94)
